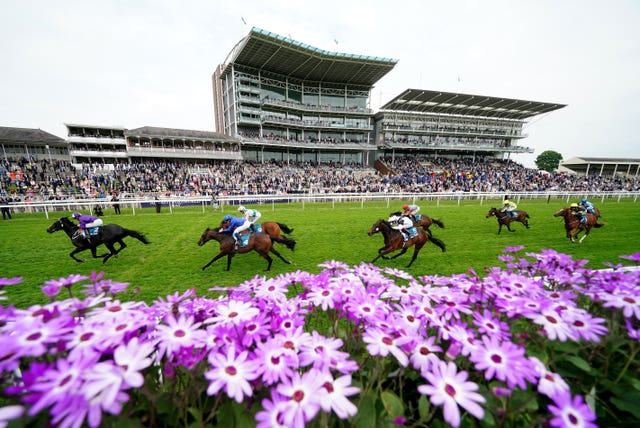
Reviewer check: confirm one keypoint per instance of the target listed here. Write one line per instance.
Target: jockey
(509, 208)
(402, 223)
(587, 205)
(236, 225)
(410, 210)
(579, 211)
(250, 215)
(86, 221)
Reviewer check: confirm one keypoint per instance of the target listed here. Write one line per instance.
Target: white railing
(49, 208)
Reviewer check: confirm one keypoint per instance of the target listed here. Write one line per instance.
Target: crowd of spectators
(29, 180)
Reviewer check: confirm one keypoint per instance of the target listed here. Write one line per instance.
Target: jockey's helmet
(76, 215)
(241, 208)
(574, 205)
(226, 218)
(405, 207)
(506, 202)
(583, 200)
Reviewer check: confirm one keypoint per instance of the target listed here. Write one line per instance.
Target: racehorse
(425, 222)
(108, 235)
(393, 240)
(505, 220)
(273, 229)
(573, 226)
(258, 242)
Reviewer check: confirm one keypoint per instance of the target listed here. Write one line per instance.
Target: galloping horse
(273, 229)
(108, 235)
(504, 219)
(393, 240)
(573, 226)
(258, 242)
(425, 222)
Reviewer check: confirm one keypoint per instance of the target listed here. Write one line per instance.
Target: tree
(548, 160)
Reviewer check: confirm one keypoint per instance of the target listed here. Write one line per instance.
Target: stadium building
(285, 100)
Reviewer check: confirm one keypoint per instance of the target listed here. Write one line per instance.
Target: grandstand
(288, 101)
(18, 143)
(593, 166)
(445, 124)
(108, 145)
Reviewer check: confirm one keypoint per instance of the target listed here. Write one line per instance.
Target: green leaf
(579, 363)
(366, 416)
(392, 403)
(630, 406)
(197, 415)
(423, 407)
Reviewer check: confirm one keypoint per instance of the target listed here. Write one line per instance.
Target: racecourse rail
(222, 202)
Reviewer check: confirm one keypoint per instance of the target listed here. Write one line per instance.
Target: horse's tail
(284, 228)
(139, 236)
(599, 224)
(438, 222)
(438, 242)
(526, 214)
(290, 243)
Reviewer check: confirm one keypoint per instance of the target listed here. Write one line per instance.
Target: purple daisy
(449, 388)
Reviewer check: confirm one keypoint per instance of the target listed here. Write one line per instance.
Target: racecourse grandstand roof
(265, 51)
(601, 166)
(27, 135)
(151, 131)
(424, 101)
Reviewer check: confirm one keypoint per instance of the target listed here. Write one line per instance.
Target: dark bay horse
(393, 240)
(504, 219)
(573, 226)
(425, 222)
(273, 229)
(258, 242)
(108, 235)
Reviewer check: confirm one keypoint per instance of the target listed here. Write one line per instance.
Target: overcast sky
(136, 63)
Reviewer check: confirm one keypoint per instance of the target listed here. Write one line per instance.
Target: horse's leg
(273, 250)
(76, 251)
(508, 224)
(499, 227)
(404, 250)
(416, 250)
(586, 233)
(381, 253)
(112, 251)
(229, 257)
(221, 254)
(120, 248)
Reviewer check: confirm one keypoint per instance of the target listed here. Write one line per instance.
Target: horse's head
(206, 236)
(491, 212)
(378, 226)
(563, 212)
(60, 224)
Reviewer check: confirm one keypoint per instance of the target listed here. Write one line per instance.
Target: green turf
(324, 231)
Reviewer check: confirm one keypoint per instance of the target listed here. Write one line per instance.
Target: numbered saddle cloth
(257, 228)
(418, 217)
(93, 231)
(413, 232)
(244, 240)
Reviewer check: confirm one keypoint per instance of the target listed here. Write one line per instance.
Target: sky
(134, 63)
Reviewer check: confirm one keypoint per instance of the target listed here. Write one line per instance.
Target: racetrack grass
(323, 231)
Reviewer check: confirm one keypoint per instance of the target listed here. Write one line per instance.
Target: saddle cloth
(257, 228)
(244, 240)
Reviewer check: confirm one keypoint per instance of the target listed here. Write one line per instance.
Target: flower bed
(541, 341)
